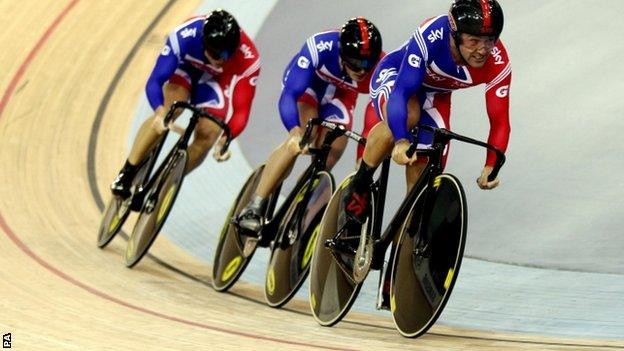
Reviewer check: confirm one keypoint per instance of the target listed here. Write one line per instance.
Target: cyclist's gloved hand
(294, 138)
(483, 182)
(399, 153)
(217, 150)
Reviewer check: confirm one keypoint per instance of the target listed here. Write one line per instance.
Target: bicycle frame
(182, 143)
(318, 164)
(430, 172)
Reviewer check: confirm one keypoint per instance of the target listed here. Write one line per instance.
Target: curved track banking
(72, 60)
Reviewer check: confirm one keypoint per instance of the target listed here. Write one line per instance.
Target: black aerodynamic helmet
(360, 44)
(476, 17)
(220, 34)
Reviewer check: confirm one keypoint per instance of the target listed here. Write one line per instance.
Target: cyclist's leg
(435, 112)
(370, 120)
(176, 89)
(210, 95)
(276, 169)
(378, 145)
(338, 109)
(282, 159)
(206, 133)
(147, 134)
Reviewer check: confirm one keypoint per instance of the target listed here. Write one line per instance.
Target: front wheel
(115, 215)
(118, 209)
(296, 236)
(424, 271)
(158, 202)
(230, 259)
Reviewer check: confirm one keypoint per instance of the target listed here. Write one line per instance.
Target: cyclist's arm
(409, 80)
(497, 102)
(166, 65)
(296, 80)
(242, 97)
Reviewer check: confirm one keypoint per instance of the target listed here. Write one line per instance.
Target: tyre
(156, 207)
(332, 286)
(296, 236)
(423, 275)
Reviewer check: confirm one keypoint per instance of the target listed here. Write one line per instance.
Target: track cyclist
(322, 80)
(413, 85)
(211, 62)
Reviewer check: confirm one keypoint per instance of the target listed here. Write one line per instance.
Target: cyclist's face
(476, 49)
(217, 62)
(354, 73)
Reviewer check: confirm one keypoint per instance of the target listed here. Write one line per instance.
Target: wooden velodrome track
(72, 72)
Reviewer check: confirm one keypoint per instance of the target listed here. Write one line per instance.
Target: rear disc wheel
(296, 237)
(332, 287)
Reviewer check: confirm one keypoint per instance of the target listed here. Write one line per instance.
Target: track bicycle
(154, 193)
(428, 234)
(289, 231)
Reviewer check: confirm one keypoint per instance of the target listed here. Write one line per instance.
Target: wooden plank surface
(57, 290)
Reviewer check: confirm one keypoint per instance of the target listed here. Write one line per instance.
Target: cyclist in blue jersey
(413, 84)
(321, 81)
(210, 62)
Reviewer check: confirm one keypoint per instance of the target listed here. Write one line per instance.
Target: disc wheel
(332, 287)
(158, 203)
(424, 272)
(291, 253)
(231, 258)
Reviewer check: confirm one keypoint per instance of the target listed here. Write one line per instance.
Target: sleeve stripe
(175, 45)
(421, 44)
(313, 52)
(500, 77)
(251, 69)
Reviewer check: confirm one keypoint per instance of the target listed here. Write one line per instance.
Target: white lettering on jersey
(246, 51)
(324, 45)
(165, 50)
(498, 58)
(303, 62)
(435, 34)
(413, 60)
(502, 91)
(188, 32)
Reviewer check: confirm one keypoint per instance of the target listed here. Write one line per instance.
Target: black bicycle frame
(182, 142)
(441, 137)
(318, 164)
